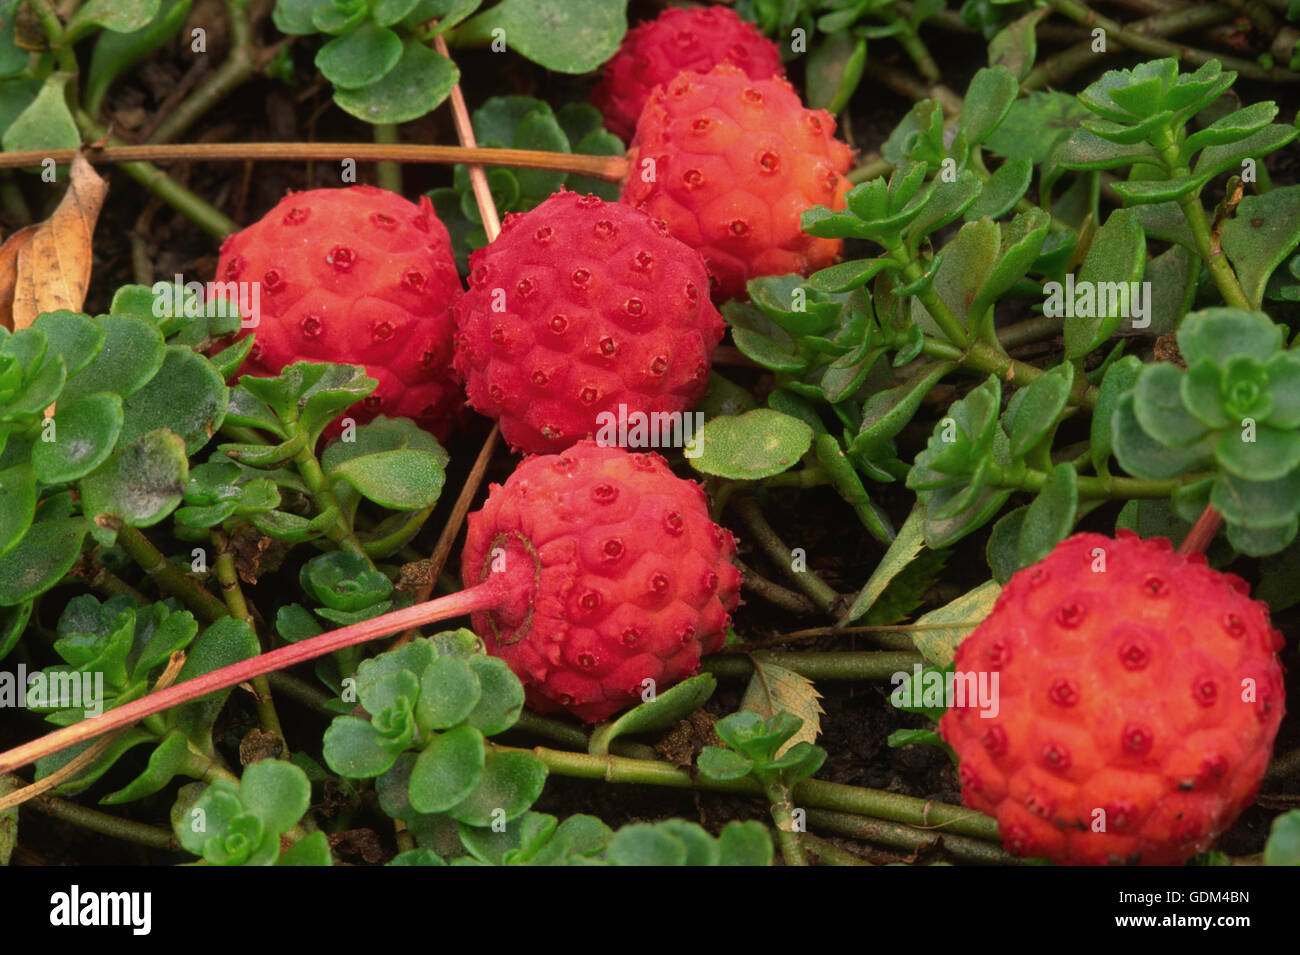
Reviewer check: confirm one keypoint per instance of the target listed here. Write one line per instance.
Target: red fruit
(735, 163)
(633, 581)
(1139, 695)
(578, 307)
(695, 39)
(357, 276)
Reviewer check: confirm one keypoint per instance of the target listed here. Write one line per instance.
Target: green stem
(390, 543)
(773, 593)
(94, 821)
(237, 70)
(1158, 47)
(817, 590)
(290, 686)
(911, 41)
(342, 535)
(1124, 488)
(883, 832)
(782, 807)
(49, 21)
(206, 216)
(388, 173)
(233, 594)
(937, 308)
(924, 813)
(168, 576)
(838, 665)
(984, 360)
(827, 853)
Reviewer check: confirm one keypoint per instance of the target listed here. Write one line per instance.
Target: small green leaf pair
(756, 747)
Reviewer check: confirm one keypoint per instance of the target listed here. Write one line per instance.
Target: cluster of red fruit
(582, 307)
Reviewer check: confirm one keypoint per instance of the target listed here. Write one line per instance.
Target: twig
(817, 590)
(167, 575)
(773, 593)
(838, 665)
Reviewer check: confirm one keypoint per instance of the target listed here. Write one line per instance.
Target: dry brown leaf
(53, 266)
(9, 272)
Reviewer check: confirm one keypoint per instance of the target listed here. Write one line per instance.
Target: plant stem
(169, 578)
(493, 592)
(1157, 47)
(938, 309)
(200, 212)
(987, 361)
(773, 593)
(237, 70)
(827, 853)
(388, 173)
(782, 807)
(607, 168)
(883, 832)
(49, 21)
(233, 594)
(923, 813)
(1122, 488)
(817, 590)
(1058, 68)
(1202, 532)
(837, 665)
(91, 819)
(323, 497)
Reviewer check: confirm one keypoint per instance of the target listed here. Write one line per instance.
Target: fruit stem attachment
(1202, 532)
(493, 592)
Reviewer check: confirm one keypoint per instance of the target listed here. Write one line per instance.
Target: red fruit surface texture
(578, 307)
(735, 163)
(1143, 698)
(694, 39)
(357, 276)
(634, 582)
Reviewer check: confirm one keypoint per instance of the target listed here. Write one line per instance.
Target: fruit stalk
(493, 592)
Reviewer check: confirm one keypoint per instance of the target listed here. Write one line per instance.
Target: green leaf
(132, 353)
(46, 123)
(833, 70)
(418, 84)
(723, 764)
(294, 17)
(168, 760)
(751, 446)
(1261, 453)
(1036, 123)
(142, 483)
(404, 480)
(277, 792)
(1218, 334)
(1003, 190)
(1119, 378)
(1003, 549)
(1216, 159)
(84, 434)
(1257, 504)
(663, 711)
(955, 621)
(120, 16)
(187, 396)
(41, 558)
(18, 494)
(511, 782)
(1086, 150)
(887, 412)
(1116, 259)
(988, 100)
(356, 749)
(223, 643)
(1140, 454)
(360, 57)
(1283, 846)
(565, 36)
(968, 260)
(1037, 412)
(1158, 404)
(115, 53)
(448, 770)
(449, 691)
(945, 204)
(776, 689)
(901, 552)
(1015, 46)
(1265, 230)
(1050, 518)
(502, 699)
(311, 850)
(73, 335)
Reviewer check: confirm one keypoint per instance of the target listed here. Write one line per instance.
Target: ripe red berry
(1139, 694)
(632, 580)
(694, 39)
(357, 276)
(578, 307)
(730, 164)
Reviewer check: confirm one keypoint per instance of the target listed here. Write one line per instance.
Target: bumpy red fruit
(579, 307)
(357, 276)
(633, 581)
(1138, 696)
(695, 39)
(731, 164)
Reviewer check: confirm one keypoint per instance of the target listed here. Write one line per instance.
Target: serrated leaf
(954, 622)
(773, 689)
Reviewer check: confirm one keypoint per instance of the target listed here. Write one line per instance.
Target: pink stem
(490, 593)
(1202, 532)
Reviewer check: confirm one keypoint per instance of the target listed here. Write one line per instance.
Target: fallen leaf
(53, 266)
(774, 688)
(9, 272)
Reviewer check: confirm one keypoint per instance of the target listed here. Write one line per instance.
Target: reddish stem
(491, 593)
(1202, 532)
